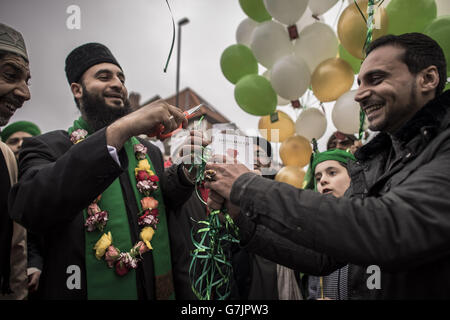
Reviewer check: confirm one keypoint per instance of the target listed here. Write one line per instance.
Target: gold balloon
(352, 30)
(331, 79)
(292, 175)
(285, 126)
(295, 151)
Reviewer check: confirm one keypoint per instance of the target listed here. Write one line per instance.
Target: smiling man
(100, 197)
(14, 77)
(395, 213)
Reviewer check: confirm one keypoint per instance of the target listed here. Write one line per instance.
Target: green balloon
(410, 15)
(354, 62)
(238, 61)
(439, 30)
(255, 9)
(255, 95)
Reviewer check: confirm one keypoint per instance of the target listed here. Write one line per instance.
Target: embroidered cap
(12, 41)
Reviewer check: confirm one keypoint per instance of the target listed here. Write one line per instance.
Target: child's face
(331, 178)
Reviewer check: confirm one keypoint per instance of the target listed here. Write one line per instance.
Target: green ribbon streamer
(370, 13)
(362, 119)
(369, 21)
(369, 38)
(210, 269)
(173, 37)
(212, 256)
(314, 145)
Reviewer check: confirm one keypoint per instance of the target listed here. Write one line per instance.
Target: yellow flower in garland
(102, 244)
(143, 165)
(147, 235)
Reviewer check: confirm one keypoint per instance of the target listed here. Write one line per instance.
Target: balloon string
(314, 144)
(362, 14)
(370, 14)
(323, 108)
(173, 37)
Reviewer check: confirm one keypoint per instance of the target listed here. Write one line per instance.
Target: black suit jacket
(57, 180)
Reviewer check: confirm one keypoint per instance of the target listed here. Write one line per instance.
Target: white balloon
(345, 114)
(321, 6)
(311, 123)
(270, 41)
(316, 43)
(307, 19)
(290, 77)
(286, 11)
(280, 101)
(443, 7)
(244, 31)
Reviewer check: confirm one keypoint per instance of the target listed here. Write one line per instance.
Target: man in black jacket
(394, 222)
(62, 173)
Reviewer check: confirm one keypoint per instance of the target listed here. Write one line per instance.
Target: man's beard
(3, 121)
(98, 114)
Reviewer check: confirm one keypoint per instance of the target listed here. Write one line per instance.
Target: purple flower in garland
(139, 249)
(146, 187)
(97, 220)
(128, 260)
(78, 135)
(149, 218)
(140, 151)
(111, 255)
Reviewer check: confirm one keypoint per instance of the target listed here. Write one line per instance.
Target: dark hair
(264, 144)
(421, 51)
(77, 102)
(331, 139)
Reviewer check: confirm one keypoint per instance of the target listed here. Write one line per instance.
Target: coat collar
(433, 116)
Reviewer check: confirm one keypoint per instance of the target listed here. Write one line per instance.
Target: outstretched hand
(224, 175)
(145, 120)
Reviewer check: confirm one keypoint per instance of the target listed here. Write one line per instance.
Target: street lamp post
(180, 23)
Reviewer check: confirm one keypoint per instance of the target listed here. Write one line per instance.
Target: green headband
(316, 158)
(24, 126)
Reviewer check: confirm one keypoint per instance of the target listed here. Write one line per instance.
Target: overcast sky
(139, 33)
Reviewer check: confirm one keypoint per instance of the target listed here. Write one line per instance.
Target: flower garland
(146, 179)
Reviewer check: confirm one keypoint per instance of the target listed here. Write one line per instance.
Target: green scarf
(334, 154)
(103, 282)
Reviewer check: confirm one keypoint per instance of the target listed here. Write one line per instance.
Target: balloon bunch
(303, 55)
(287, 38)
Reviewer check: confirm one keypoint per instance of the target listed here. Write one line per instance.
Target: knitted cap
(25, 126)
(86, 56)
(12, 41)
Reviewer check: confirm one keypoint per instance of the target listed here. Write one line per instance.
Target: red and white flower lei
(147, 180)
